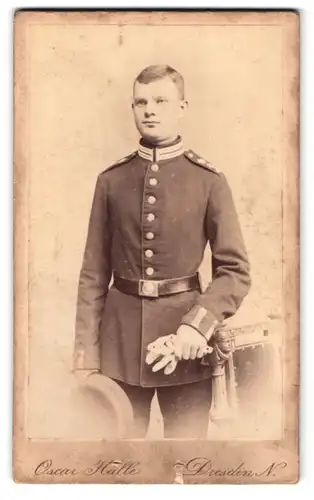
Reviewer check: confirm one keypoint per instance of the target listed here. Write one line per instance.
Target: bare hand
(189, 343)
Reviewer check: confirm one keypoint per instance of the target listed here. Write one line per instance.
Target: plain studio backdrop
(80, 121)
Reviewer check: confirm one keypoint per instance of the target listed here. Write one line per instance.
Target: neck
(161, 142)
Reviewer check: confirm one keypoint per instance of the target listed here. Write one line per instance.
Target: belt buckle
(148, 288)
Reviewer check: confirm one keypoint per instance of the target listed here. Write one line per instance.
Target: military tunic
(152, 215)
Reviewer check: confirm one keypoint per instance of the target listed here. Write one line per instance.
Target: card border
(28, 452)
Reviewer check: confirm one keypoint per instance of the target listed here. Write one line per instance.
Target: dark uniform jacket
(152, 214)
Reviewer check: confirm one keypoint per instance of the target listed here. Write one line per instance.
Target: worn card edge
(290, 22)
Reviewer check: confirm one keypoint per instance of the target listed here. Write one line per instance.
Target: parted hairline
(159, 71)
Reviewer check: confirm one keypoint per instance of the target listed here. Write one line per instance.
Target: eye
(140, 102)
(161, 100)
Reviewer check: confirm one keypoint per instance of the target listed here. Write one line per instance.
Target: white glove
(163, 350)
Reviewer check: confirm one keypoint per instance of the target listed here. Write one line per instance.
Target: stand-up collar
(159, 153)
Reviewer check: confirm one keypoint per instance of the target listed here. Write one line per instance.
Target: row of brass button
(150, 217)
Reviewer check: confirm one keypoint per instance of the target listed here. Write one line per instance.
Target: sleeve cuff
(87, 359)
(202, 320)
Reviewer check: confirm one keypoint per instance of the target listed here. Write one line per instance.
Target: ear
(184, 105)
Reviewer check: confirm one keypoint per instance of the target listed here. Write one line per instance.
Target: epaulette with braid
(123, 160)
(201, 162)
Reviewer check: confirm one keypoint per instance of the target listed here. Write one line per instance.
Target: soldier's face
(158, 109)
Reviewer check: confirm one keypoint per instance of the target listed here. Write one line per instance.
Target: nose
(150, 109)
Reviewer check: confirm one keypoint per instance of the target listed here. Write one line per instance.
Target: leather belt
(155, 288)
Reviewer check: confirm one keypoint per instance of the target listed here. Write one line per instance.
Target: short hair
(159, 71)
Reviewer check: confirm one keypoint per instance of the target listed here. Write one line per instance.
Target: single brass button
(150, 217)
(151, 200)
(149, 271)
(155, 167)
(150, 236)
(153, 181)
(149, 253)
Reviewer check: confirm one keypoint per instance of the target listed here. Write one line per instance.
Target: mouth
(150, 123)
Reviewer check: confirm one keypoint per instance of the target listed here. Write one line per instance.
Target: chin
(151, 137)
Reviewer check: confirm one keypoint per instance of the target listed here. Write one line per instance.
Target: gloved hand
(189, 343)
(163, 350)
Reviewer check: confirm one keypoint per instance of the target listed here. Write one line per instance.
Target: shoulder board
(123, 160)
(201, 162)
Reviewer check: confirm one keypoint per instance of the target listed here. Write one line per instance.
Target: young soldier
(152, 214)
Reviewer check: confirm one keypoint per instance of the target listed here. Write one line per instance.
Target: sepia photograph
(156, 247)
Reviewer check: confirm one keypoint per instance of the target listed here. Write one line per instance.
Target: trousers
(184, 408)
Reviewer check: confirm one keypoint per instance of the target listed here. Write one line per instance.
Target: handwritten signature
(111, 468)
(199, 466)
(202, 466)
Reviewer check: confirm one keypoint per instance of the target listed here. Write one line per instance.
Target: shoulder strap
(201, 162)
(123, 160)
